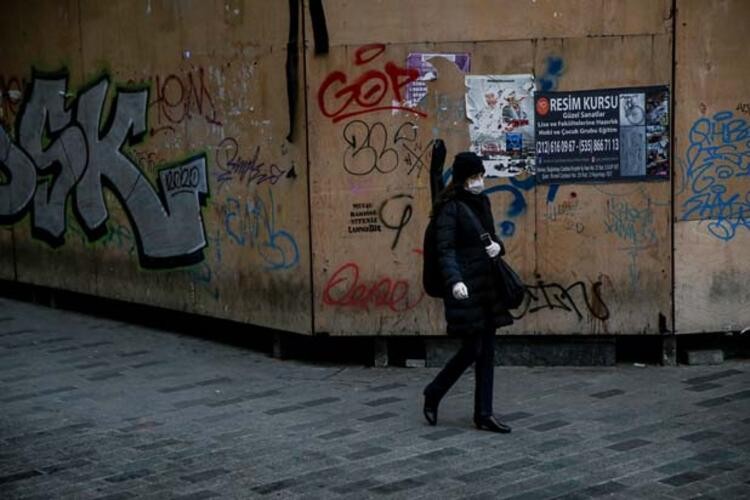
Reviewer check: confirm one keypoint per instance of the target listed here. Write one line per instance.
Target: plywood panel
(714, 113)
(356, 22)
(712, 187)
(221, 100)
(604, 262)
(365, 273)
(23, 49)
(512, 199)
(603, 250)
(258, 255)
(369, 282)
(711, 289)
(210, 73)
(20, 35)
(128, 51)
(258, 217)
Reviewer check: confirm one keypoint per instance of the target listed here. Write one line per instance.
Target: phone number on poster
(579, 146)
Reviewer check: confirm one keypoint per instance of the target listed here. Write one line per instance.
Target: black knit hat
(466, 164)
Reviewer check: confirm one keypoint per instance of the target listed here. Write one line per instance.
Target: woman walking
(466, 245)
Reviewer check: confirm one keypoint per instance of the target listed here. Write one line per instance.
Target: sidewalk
(95, 408)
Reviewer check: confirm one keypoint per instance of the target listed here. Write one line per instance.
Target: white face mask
(475, 186)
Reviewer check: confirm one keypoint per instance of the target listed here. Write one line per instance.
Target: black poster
(608, 135)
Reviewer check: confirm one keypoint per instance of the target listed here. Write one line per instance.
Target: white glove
(460, 291)
(493, 249)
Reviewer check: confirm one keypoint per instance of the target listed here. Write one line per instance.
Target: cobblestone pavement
(96, 408)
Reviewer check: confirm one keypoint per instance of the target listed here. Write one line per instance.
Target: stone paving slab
(97, 408)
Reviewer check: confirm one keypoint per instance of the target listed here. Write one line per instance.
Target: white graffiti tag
(61, 150)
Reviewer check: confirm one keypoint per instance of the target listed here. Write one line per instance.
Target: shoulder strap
(474, 219)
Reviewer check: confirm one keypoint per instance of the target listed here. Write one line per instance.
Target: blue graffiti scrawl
(555, 68)
(719, 154)
(253, 223)
(518, 204)
(62, 150)
(635, 228)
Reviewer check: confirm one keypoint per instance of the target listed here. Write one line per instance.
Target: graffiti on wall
(395, 214)
(518, 203)
(252, 223)
(575, 299)
(118, 236)
(718, 174)
(61, 150)
(181, 97)
(634, 227)
(346, 289)
(231, 167)
(553, 70)
(566, 213)
(370, 148)
(205, 279)
(342, 96)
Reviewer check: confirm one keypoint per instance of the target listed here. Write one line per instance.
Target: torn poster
(415, 91)
(501, 111)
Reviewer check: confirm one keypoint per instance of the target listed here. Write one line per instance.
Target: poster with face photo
(501, 111)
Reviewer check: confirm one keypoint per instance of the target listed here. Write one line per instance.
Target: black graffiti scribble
(232, 166)
(179, 98)
(403, 221)
(406, 136)
(369, 148)
(549, 296)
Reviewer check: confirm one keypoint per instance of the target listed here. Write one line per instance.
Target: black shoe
(491, 424)
(430, 409)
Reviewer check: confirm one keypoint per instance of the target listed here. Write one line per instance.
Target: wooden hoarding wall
(147, 141)
(596, 257)
(712, 180)
(175, 183)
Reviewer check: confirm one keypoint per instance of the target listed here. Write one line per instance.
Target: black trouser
(478, 348)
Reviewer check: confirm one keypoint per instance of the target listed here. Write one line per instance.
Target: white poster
(501, 111)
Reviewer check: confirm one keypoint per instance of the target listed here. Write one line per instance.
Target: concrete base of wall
(669, 350)
(533, 351)
(399, 351)
(554, 351)
(379, 352)
(278, 350)
(705, 357)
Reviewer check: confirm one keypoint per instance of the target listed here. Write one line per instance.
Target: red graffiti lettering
(338, 99)
(179, 98)
(367, 53)
(344, 289)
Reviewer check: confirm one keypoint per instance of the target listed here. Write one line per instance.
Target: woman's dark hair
(447, 194)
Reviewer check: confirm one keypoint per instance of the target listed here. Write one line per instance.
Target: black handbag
(509, 285)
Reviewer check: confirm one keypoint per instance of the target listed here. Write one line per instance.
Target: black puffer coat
(463, 258)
